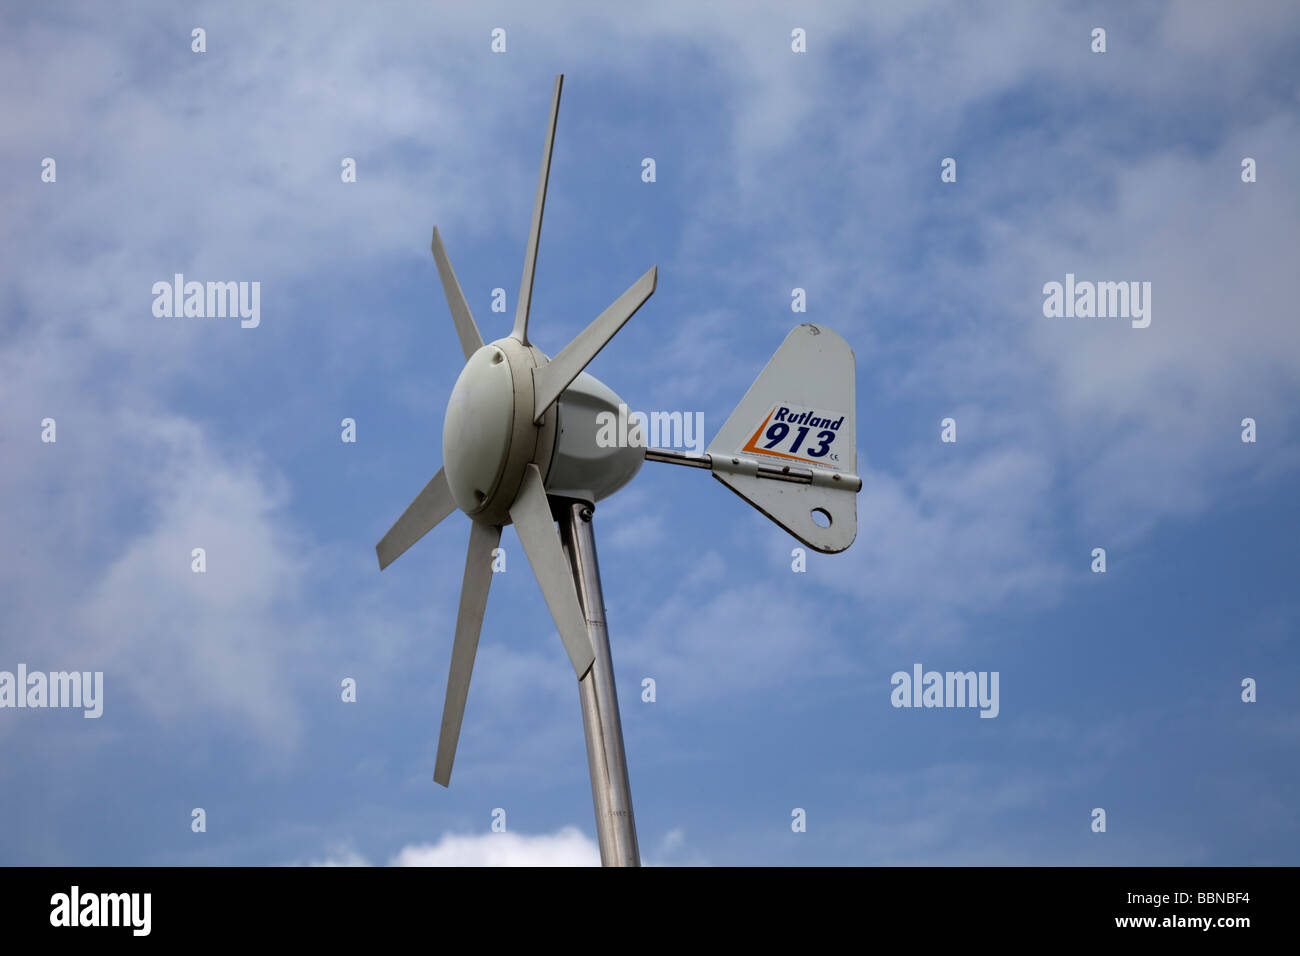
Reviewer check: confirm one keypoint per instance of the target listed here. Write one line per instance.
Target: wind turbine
(520, 447)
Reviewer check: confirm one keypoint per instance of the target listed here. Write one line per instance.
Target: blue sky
(775, 170)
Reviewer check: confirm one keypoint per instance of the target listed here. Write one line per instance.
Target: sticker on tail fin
(793, 432)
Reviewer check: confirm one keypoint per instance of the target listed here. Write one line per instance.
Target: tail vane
(798, 421)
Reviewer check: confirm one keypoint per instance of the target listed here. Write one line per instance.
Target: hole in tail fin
(821, 517)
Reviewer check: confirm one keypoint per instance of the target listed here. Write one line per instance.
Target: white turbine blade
(483, 538)
(470, 339)
(532, 517)
(555, 376)
(429, 507)
(535, 230)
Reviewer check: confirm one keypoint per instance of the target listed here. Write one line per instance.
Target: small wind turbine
(519, 445)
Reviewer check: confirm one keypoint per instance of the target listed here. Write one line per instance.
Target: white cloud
(186, 642)
(568, 846)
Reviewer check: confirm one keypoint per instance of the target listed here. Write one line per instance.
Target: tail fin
(798, 416)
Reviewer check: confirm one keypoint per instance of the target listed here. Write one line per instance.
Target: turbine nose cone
(476, 432)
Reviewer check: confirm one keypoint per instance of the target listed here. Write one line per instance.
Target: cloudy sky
(775, 170)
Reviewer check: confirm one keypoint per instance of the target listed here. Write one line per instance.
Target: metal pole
(800, 476)
(610, 791)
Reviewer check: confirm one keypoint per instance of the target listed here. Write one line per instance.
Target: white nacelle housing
(580, 468)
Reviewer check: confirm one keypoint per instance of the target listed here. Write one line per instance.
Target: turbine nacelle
(489, 436)
(582, 468)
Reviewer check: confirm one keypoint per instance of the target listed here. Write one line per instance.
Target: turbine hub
(477, 432)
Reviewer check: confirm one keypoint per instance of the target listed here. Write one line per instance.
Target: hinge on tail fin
(790, 447)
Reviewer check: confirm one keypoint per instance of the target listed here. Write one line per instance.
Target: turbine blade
(532, 517)
(429, 507)
(554, 377)
(483, 538)
(535, 230)
(470, 340)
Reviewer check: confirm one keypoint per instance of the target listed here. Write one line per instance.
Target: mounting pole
(610, 790)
